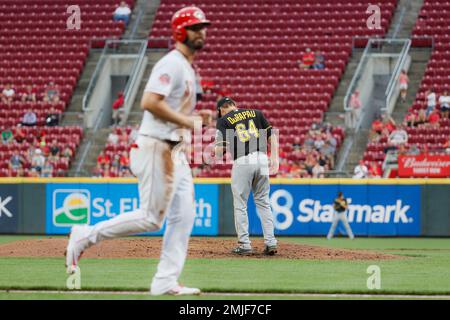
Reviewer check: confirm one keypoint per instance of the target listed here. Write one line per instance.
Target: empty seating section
(433, 23)
(253, 48)
(37, 47)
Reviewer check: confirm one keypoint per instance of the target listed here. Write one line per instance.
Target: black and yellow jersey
(243, 131)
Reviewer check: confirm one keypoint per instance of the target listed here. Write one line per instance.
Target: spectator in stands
(319, 142)
(29, 95)
(361, 171)
(413, 150)
(16, 161)
(54, 149)
(355, 107)
(328, 151)
(377, 127)
(331, 140)
(398, 137)
(309, 140)
(107, 171)
(122, 13)
(307, 59)
(389, 123)
(7, 136)
(410, 119)
(67, 153)
(33, 173)
(113, 138)
(103, 159)
(318, 171)
(444, 102)
(98, 171)
(374, 170)
(421, 118)
(51, 93)
(52, 118)
(297, 144)
(431, 101)
(47, 170)
(123, 138)
(29, 119)
(8, 94)
(115, 162)
(44, 147)
(38, 161)
(117, 109)
(284, 168)
(403, 80)
(434, 119)
(19, 134)
(310, 163)
(319, 61)
(124, 161)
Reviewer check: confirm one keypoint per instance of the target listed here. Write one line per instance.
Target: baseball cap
(223, 101)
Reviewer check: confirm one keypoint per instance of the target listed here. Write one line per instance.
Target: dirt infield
(198, 248)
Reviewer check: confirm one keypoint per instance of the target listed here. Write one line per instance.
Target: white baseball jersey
(171, 77)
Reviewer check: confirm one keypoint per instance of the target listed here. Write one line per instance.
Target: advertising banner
(374, 210)
(68, 204)
(424, 165)
(9, 208)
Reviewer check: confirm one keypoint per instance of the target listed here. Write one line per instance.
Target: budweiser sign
(424, 165)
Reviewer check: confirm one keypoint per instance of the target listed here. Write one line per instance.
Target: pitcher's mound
(198, 248)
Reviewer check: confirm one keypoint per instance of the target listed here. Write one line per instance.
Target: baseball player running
(165, 184)
(245, 134)
(340, 209)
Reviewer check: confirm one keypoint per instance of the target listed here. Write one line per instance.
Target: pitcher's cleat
(242, 251)
(270, 250)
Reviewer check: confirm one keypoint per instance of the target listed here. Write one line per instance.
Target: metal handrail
(356, 77)
(137, 21)
(94, 77)
(134, 70)
(100, 64)
(397, 70)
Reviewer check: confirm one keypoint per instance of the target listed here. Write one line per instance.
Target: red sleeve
(118, 103)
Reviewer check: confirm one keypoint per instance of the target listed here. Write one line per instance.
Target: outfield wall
(385, 207)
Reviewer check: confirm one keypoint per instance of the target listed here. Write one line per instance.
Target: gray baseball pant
(340, 216)
(251, 173)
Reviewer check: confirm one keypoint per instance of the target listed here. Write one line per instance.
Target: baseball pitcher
(340, 209)
(245, 134)
(165, 185)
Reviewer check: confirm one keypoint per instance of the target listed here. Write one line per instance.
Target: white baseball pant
(166, 189)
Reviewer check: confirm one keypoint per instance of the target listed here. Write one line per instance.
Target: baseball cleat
(270, 250)
(182, 291)
(242, 251)
(75, 248)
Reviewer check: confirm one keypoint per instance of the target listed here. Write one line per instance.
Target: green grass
(425, 271)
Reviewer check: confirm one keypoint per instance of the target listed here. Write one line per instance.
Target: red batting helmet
(186, 17)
